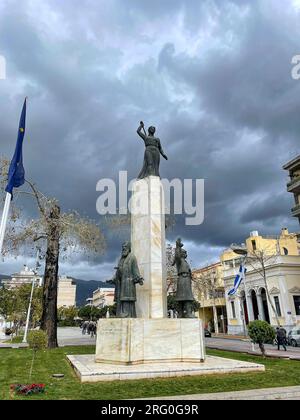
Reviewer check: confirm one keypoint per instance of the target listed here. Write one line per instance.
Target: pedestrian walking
(92, 328)
(281, 337)
(84, 327)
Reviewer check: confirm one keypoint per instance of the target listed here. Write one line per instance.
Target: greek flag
(238, 280)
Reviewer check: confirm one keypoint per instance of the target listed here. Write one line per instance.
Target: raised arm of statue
(177, 257)
(140, 131)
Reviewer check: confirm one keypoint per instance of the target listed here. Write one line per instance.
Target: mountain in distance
(4, 277)
(85, 289)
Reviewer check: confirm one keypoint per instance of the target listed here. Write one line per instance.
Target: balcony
(294, 185)
(296, 211)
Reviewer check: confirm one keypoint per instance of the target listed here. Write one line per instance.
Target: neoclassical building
(281, 281)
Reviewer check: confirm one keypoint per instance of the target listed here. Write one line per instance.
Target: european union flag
(16, 173)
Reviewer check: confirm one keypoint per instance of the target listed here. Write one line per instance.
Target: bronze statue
(152, 152)
(184, 294)
(116, 280)
(126, 278)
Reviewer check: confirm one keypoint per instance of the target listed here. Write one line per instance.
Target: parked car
(294, 337)
(207, 333)
(8, 331)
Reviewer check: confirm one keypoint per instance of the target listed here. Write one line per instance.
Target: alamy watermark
(296, 68)
(179, 197)
(2, 67)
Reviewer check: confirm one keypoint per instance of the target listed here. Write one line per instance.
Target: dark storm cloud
(213, 76)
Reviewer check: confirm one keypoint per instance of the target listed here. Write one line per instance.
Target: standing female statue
(152, 152)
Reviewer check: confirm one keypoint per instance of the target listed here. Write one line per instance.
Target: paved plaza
(73, 337)
(286, 393)
(240, 345)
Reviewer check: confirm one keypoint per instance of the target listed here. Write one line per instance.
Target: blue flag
(238, 280)
(16, 173)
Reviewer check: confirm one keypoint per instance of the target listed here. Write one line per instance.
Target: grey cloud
(213, 76)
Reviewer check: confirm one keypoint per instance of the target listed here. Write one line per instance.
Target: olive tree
(59, 234)
(261, 333)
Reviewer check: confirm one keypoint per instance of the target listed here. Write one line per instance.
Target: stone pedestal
(149, 246)
(136, 341)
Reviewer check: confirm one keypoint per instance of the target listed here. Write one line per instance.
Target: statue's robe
(151, 157)
(184, 292)
(130, 277)
(117, 282)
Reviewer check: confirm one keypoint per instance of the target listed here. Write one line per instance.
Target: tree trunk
(262, 349)
(49, 315)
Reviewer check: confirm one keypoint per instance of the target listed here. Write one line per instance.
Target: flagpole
(31, 295)
(4, 219)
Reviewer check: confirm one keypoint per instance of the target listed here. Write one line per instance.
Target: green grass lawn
(15, 365)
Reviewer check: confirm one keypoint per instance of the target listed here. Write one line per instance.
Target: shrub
(37, 340)
(261, 333)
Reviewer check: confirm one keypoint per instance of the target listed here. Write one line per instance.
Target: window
(254, 245)
(297, 304)
(286, 251)
(233, 310)
(277, 305)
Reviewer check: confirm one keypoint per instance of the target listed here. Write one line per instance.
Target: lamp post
(37, 265)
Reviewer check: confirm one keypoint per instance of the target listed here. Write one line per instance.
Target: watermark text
(296, 67)
(2, 68)
(152, 196)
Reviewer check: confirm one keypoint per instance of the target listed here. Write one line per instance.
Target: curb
(251, 353)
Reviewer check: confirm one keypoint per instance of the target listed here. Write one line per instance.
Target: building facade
(293, 185)
(209, 290)
(210, 293)
(25, 276)
(66, 295)
(103, 297)
(274, 296)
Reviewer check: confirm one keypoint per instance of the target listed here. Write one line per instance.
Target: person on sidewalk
(281, 337)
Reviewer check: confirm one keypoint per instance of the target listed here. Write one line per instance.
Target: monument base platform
(89, 371)
(140, 341)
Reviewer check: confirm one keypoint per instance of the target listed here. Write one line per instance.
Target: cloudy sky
(213, 76)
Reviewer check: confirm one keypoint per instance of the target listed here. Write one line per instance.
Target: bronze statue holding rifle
(152, 152)
(184, 293)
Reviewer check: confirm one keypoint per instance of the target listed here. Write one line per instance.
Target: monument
(142, 342)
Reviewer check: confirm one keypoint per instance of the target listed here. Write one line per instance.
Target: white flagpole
(28, 312)
(4, 219)
(31, 295)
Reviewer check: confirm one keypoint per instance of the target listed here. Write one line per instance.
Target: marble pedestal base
(88, 370)
(140, 341)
